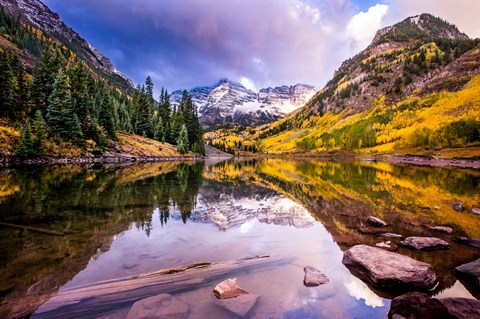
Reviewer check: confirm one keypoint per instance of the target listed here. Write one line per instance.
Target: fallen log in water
(34, 229)
(104, 296)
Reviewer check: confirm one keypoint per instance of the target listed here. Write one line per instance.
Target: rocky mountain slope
(229, 102)
(39, 16)
(377, 96)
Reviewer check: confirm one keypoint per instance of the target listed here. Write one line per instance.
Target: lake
(120, 221)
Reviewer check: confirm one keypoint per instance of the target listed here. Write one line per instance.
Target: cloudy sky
(260, 43)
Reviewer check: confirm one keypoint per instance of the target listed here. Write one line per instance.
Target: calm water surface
(122, 221)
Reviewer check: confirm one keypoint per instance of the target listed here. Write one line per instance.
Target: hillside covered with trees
(53, 103)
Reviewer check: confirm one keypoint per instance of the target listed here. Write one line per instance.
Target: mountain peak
(420, 27)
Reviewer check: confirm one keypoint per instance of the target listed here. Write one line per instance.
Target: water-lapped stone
(462, 308)
(228, 289)
(376, 222)
(240, 305)
(443, 229)
(459, 207)
(386, 269)
(162, 306)
(468, 241)
(314, 277)
(233, 298)
(417, 305)
(424, 243)
(470, 271)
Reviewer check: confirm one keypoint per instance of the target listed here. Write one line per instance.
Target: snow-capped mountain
(230, 102)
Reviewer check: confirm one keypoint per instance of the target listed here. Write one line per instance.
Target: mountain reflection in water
(182, 213)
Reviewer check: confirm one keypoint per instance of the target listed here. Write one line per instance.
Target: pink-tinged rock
(424, 243)
(376, 222)
(314, 277)
(471, 271)
(162, 306)
(240, 305)
(228, 289)
(386, 269)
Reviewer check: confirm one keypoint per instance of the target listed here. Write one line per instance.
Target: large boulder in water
(417, 305)
(385, 269)
(424, 243)
(471, 272)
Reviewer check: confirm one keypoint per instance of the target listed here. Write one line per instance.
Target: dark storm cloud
(186, 43)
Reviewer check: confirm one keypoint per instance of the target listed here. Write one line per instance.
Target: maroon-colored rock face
(314, 277)
(417, 305)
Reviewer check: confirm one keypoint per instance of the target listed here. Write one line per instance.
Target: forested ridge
(52, 102)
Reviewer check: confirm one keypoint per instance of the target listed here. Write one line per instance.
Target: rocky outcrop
(385, 269)
(162, 306)
(471, 272)
(417, 305)
(424, 243)
(314, 277)
(230, 102)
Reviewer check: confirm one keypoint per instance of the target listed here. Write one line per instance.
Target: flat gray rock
(376, 222)
(386, 269)
(468, 241)
(392, 235)
(424, 243)
(462, 308)
(476, 211)
(443, 229)
(162, 306)
(314, 277)
(471, 271)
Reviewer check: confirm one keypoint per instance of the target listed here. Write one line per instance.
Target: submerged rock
(470, 271)
(162, 306)
(387, 269)
(443, 229)
(233, 298)
(240, 305)
(314, 277)
(417, 305)
(468, 241)
(424, 243)
(462, 308)
(376, 222)
(459, 207)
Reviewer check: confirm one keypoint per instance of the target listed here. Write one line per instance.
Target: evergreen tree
(75, 134)
(159, 130)
(26, 147)
(177, 123)
(8, 87)
(40, 132)
(164, 111)
(106, 116)
(182, 140)
(59, 105)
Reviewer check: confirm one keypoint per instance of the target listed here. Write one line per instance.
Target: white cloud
(359, 290)
(246, 82)
(363, 26)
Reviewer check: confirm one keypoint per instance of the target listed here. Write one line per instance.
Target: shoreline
(105, 159)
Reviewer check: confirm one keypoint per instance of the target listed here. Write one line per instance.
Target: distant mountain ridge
(38, 15)
(229, 102)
